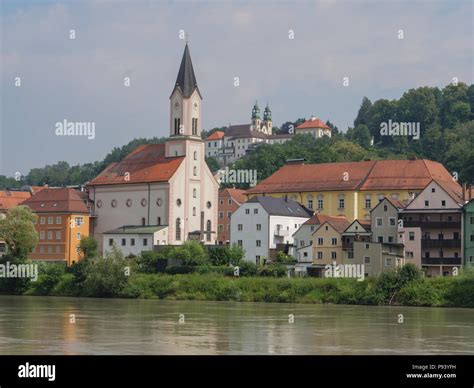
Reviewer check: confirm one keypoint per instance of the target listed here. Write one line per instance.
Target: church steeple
(186, 79)
(185, 101)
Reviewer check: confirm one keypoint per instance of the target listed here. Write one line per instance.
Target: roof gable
(56, 200)
(434, 198)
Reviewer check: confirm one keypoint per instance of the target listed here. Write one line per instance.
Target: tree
(88, 247)
(348, 151)
(18, 231)
(191, 252)
(360, 135)
(363, 116)
(212, 163)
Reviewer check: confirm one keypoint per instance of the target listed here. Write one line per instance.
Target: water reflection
(42, 325)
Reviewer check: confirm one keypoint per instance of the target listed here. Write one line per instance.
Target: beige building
(163, 184)
(377, 257)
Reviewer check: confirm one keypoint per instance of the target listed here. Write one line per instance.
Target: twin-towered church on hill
(160, 193)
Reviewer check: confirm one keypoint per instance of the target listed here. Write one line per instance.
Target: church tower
(267, 119)
(185, 108)
(256, 116)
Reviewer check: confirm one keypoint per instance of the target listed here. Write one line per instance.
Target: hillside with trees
(446, 118)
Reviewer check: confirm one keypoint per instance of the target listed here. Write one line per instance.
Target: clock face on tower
(195, 106)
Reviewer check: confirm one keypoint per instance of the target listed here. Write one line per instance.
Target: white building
(238, 140)
(163, 184)
(264, 224)
(132, 240)
(315, 127)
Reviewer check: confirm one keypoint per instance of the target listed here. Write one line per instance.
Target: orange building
(63, 219)
(229, 201)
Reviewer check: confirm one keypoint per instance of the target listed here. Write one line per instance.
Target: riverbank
(385, 290)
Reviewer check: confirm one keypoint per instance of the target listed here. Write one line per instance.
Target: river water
(55, 325)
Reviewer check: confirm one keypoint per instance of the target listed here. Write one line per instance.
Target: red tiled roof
(340, 224)
(216, 135)
(9, 199)
(315, 177)
(313, 123)
(56, 200)
(364, 176)
(236, 194)
(147, 163)
(319, 219)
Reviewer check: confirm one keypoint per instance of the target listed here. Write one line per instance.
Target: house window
(368, 203)
(178, 229)
(194, 210)
(42, 220)
(145, 242)
(366, 259)
(409, 255)
(159, 220)
(320, 202)
(195, 171)
(79, 221)
(259, 226)
(411, 236)
(239, 243)
(239, 227)
(58, 235)
(334, 241)
(50, 220)
(221, 228)
(320, 255)
(58, 220)
(259, 243)
(247, 211)
(221, 202)
(443, 203)
(388, 262)
(380, 239)
(111, 242)
(58, 248)
(143, 221)
(310, 203)
(132, 242)
(195, 155)
(320, 241)
(366, 246)
(341, 203)
(333, 255)
(379, 222)
(427, 203)
(124, 242)
(229, 214)
(78, 236)
(50, 235)
(229, 202)
(194, 193)
(221, 214)
(392, 221)
(41, 249)
(255, 211)
(390, 239)
(350, 254)
(50, 249)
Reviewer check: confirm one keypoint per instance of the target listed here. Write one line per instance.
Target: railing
(432, 224)
(347, 245)
(440, 261)
(441, 243)
(281, 232)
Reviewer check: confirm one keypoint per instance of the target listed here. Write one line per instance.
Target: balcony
(347, 246)
(432, 224)
(445, 243)
(281, 232)
(440, 261)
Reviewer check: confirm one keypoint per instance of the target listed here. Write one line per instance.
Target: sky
(293, 55)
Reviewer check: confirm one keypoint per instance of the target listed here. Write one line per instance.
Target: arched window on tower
(195, 155)
(143, 221)
(159, 220)
(178, 229)
(208, 230)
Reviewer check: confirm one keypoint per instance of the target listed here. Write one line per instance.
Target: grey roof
(244, 131)
(281, 206)
(186, 79)
(136, 229)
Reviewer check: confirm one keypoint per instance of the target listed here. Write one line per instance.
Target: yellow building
(352, 189)
(63, 219)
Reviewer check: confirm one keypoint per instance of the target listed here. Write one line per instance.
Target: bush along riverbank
(204, 275)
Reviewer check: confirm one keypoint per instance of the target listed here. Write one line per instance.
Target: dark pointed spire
(186, 79)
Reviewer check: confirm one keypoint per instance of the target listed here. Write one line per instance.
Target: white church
(160, 194)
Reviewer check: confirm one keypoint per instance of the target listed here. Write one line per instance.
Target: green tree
(88, 247)
(363, 116)
(360, 135)
(18, 231)
(191, 252)
(212, 163)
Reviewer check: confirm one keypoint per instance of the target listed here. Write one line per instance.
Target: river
(56, 325)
